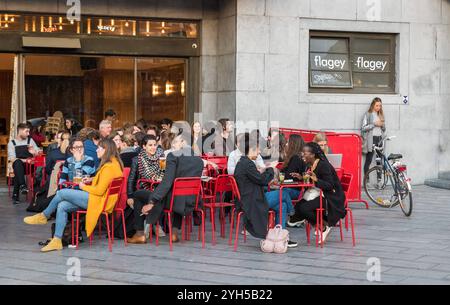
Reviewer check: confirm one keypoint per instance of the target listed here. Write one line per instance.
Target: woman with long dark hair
(89, 197)
(324, 177)
(372, 130)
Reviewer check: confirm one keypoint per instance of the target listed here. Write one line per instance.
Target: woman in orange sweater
(89, 197)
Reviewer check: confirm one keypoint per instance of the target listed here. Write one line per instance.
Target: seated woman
(89, 197)
(251, 185)
(325, 178)
(54, 155)
(78, 161)
(144, 166)
(322, 140)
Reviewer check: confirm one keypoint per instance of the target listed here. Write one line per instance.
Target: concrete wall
(272, 71)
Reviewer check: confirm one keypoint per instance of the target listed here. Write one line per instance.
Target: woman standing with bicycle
(372, 130)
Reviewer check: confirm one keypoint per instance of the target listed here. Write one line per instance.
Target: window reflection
(97, 26)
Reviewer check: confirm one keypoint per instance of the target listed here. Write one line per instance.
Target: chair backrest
(114, 189)
(226, 183)
(122, 202)
(235, 187)
(39, 160)
(346, 181)
(187, 186)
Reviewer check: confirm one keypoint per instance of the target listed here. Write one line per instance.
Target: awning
(51, 42)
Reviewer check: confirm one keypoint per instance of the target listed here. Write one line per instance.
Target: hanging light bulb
(127, 24)
(12, 19)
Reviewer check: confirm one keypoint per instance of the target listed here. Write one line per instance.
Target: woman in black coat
(251, 185)
(325, 178)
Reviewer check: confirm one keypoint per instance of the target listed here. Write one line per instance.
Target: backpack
(276, 240)
(40, 201)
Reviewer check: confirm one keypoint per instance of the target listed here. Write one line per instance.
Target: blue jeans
(273, 198)
(293, 193)
(66, 201)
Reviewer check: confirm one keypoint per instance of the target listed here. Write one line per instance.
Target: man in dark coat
(180, 163)
(251, 184)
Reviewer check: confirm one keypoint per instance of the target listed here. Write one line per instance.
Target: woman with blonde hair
(89, 197)
(322, 139)
(372, 130)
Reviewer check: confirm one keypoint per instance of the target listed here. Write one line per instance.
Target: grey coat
(367, 132)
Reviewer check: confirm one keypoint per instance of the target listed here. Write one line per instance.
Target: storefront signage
(362, 63)
(329, 62)
(106, 28)
(50, 29)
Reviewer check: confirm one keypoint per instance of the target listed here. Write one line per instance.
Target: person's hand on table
(296, 176)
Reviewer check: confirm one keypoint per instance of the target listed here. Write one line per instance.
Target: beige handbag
(276, 240)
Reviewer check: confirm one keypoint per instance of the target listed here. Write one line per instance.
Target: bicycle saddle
(395, 156)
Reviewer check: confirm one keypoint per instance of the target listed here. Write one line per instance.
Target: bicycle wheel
(379, 188)
(406, 202)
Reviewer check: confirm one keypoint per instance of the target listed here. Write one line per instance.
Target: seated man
(180, 163)
(20, 149)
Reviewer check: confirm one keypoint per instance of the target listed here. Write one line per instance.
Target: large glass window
(352, 62)
(161, 89)
(83, 88)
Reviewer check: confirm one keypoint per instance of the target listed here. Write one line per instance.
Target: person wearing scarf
(144, 166)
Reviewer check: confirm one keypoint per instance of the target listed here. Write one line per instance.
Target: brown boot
(175, 236)
(138, 238)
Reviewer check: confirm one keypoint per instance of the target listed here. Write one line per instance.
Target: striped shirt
(87, 166)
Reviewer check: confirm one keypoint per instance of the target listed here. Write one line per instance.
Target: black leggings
(307, 210)
(140, 198)
(369, 156)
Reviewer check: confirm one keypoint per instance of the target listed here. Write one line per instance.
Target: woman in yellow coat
(90, 197)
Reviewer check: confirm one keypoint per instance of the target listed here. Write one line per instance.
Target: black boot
(15, 199)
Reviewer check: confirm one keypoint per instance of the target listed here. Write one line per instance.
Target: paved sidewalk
(413, 250)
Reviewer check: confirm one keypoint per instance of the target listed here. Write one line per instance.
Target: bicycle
(387, 184)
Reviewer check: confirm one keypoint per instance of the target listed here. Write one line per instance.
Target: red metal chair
(223, 184)
(114, 189)
(119, 209)
(188, 186)
(346, 181)
(271, 216)
(33, 164)
(221, 162)
(151, 182)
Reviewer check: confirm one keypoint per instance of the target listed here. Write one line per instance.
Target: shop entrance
(83, 88)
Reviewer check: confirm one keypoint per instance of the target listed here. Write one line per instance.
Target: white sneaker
(161, 232)
(297, 224)
(245, 233)
(325, 235)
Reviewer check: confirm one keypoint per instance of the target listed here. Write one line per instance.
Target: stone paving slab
(413, 250)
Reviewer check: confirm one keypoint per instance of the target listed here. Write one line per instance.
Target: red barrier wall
(347, 144)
